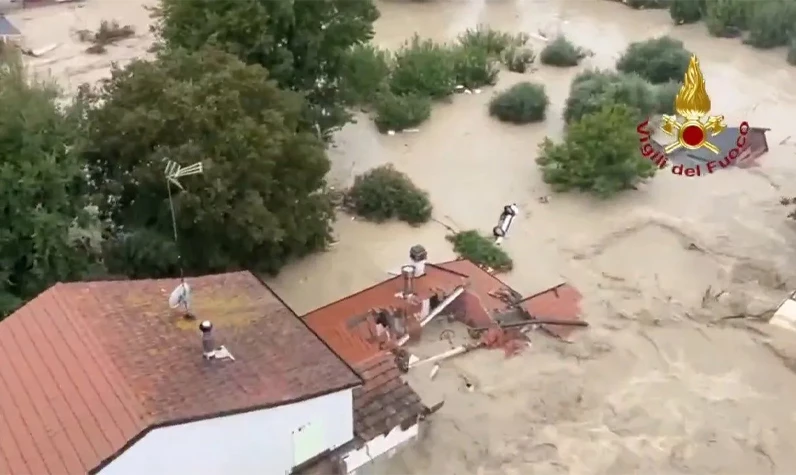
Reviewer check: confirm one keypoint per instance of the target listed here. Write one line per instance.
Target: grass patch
(481, 250)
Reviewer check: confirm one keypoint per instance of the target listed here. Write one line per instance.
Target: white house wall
(378, 447)
(257, 442)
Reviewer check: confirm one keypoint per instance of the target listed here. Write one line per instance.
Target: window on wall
(307, 442)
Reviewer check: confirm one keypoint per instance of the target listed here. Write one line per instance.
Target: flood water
(658, 383)
(655, 384)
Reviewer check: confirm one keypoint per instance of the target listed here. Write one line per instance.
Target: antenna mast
(173, 172)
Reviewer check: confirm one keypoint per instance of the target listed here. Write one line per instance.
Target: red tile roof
(88, 367)
(482, 283)
(348, 326)
(561, 302)
(385, 401)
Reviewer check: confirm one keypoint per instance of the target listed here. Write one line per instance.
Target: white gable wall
(269, 441)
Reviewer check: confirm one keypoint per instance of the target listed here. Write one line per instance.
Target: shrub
(395, 112)
(665, 95)
(384, 193)
(642, 4)
(591, 90)
(657, 60)
(365, 70)
(486, 39)
(771, 24)
(518, 58)
(481, 250)
(686, 11)
(792, 52)
(423, 67)
(520, 104)
(474, 67)
(727, 18)
(599, 154)
(562, 53)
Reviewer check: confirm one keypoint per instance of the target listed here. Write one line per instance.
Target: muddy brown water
(655, 385)
(658, 384)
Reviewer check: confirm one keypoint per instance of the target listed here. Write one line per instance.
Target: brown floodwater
(658, 384)
(654, 385)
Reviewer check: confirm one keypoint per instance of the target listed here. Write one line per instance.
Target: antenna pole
(174, 229)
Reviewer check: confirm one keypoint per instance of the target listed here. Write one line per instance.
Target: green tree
(384, 193)
(657, 60)
(302, 43)
(43, 198)
(600, 154)
(261, 199)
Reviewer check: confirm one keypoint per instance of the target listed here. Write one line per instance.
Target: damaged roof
(89, 367)
(561, 302)
(348, 325)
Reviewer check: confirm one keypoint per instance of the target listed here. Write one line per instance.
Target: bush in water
(481, 250)
(772, 24)
(520, 104)
(364, 72)
(384, 193)
(562, 53)
(792, 52)
(518, 58)
(644, 4)
(665, 95)
(727, 18)
(394, 112)
(686, 11)
(474, 67)
(592, 89)
(599, 154)
(425, 68)
(657, 60)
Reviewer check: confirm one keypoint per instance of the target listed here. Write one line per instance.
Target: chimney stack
(408, 274)
(418, 255)
(208, 342)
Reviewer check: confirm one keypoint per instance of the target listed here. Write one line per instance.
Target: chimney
(208, 342)
(418, 255)
(408, 274)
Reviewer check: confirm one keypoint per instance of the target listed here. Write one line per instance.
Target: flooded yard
(660, 382)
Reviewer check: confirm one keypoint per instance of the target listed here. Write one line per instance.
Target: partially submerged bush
(384, 193)
(520, 104)
(792, 52)
(599, 154)
(562, 53)
(518, 58)
(665, 95)
(591, 90)
(481, 250)
(686, 11)
(772, 23)
(365, 72)
(657, 60)
(486, 39)
(108, 33)
(394, 112)
(474, 67)
(727, 18)
(423, 67)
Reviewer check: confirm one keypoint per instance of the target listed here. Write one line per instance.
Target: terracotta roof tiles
(88, 366)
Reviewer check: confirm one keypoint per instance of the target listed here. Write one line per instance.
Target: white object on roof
(785, 316)
(181, 296)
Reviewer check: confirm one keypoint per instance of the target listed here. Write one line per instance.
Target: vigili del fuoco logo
(702, 143)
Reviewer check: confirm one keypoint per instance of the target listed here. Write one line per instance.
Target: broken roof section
(89, 366)
(756, 146)
(7, 29)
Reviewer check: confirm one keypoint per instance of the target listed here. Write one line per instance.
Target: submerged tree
(41, 189)
(260, 200)
(301, 43)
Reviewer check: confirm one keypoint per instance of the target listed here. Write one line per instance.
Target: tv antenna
(181, 295)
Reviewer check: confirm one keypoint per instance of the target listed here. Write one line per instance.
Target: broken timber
(567, 323)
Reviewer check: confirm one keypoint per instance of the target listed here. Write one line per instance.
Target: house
(103, 377)
(364, 328)
(756, 146)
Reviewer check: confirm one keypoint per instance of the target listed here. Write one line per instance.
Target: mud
(678, 373)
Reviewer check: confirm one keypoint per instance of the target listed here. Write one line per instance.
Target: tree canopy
(261, 197)
(303, 44)
(41, 193)
(599, 154)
